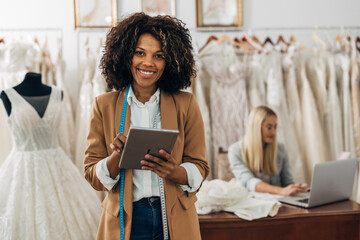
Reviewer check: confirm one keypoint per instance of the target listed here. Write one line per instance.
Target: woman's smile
(146, 73)
(148, 63)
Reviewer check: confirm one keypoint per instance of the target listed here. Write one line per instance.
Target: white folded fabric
(218, 195)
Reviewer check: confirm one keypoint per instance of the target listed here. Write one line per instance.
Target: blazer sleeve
(194, 138)
(96, 147)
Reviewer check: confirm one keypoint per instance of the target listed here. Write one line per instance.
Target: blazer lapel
(118, 111)
(169, 121)
(128, 173)
(168, 112)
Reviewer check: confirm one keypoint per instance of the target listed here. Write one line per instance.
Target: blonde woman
(258, 161)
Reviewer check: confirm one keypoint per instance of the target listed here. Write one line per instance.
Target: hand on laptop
(293, 189)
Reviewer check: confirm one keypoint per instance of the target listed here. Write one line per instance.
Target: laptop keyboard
(305, 200)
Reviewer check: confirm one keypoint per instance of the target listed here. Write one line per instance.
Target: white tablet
(142, 141)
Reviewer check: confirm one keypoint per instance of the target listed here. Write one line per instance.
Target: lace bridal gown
(229, 106)
(42, 194)
(15, 58)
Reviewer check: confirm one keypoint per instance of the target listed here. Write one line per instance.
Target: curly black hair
(175, 41)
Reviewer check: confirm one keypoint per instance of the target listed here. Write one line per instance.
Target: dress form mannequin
(33, 91)
(37, 159)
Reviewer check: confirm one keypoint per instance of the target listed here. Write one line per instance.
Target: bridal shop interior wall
(17, 15)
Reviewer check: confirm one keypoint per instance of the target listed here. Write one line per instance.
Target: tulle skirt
(44, 196)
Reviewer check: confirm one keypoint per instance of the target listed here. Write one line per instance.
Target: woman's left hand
(165, 169)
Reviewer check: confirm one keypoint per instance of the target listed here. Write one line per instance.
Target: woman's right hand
(117, 146)
(293, 189)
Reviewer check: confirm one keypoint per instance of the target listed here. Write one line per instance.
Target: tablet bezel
(141, 141)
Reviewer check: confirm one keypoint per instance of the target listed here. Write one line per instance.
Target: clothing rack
(247, 29)
(36, 32)
(90, 35)
(30, 29)
(201, 34)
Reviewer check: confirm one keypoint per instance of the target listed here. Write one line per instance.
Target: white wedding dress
(333, 123)
(276, 99)
(42, 193)
(313, 140)
(228, 103)
(83, 110)
(342, 66)
(15, 59)
(200, 95)
(256, 91)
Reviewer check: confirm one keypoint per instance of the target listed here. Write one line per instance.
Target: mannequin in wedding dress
(43, 195)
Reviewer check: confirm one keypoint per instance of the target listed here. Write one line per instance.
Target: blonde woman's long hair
(256, 157)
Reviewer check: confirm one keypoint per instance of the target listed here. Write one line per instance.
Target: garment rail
(47, 33)
(89, 37)
(247, 29)
(302, 34)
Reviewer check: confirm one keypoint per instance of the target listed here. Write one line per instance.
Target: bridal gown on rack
(355, 106)
(342, 66)
(355, 96)
(67, 124)
(228, 101)
(294, 110)
(313, 135)
(42, 194)
(276, 99)
(93, 84)
(83, 110)
(99, 84)
(333, 122)
(316, 74)
(199, 92)
(255, 82)
(15, 61)
(292, 93)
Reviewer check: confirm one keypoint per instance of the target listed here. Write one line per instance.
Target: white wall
(43, 14)
(301, 13)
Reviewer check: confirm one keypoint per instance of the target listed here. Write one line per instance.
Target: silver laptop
(331, 182)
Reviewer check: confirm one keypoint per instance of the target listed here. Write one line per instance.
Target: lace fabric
(15, 61)
(43, 195)
(255, 82)
(228, 99)
(83, 111)
(7, 80)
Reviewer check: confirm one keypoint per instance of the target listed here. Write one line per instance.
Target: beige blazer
(178, 111)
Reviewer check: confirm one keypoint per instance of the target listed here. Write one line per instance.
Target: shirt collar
(132, 98)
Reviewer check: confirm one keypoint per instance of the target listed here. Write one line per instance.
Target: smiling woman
(147, 60)
(147, 66)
